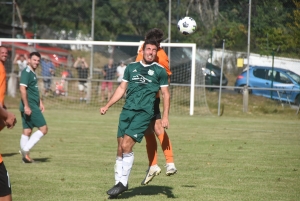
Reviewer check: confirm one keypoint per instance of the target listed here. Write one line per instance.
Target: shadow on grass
(148, 190)
(41, 160)
(9, 154)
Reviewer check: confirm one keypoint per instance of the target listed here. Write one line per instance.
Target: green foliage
(274, 24)
(294, 26)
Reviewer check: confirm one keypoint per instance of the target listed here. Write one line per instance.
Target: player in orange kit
(155, 125)
(8, 120)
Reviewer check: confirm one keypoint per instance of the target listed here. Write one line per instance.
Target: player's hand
(103, 110)
(11, 120)
(165, 123)
(42, 108)
(27, 111)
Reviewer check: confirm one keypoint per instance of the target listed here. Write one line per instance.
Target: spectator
(21, 60)
(48, 71)
(82, 69)
(109, 73)
(120, 71)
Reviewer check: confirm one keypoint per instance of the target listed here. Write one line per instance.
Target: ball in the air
(187, 25)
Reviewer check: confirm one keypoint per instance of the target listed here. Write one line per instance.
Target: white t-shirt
(22, 65)
(120, 71)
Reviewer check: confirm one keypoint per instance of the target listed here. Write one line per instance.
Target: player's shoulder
(158, 65)
(27, 70)
(133, 64)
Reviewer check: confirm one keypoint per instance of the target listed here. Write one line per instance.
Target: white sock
(127, 165)
(35, 137)
(23, 141)
(118, 169)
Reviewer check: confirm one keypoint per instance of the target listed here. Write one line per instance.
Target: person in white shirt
(21, 60)
(120, 71)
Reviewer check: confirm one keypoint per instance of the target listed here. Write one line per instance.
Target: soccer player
(3, 58)
(141, 81)
(9, 120)
(6, 119)
(161, 134)
(31, 108)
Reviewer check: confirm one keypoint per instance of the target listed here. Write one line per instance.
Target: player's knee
(44, 129)
(158, 128)
(127, 145)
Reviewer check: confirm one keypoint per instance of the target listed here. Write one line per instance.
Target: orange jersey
(2, 83)
(1, 159)
(161, 58)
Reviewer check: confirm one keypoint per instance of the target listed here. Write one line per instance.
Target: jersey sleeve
(24, 79)
(163, 59)
(126, 76)
(163, 81)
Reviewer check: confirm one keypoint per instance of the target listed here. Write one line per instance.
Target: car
(212, 75)
(205, 72)
(265, 77)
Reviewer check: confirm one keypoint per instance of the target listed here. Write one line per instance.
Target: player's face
(3, 54)
(34, 62)
(149, 53)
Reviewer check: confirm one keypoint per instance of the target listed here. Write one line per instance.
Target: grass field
(237, 157)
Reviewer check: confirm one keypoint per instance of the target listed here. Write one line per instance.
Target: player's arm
(2, 90)
(120, 91)
(23, 91)
(8, 118)
(166, 106)
(42, 107)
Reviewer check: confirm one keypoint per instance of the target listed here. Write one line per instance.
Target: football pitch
(218, 158)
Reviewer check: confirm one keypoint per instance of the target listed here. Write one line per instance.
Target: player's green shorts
(36, 119)
(133, 124)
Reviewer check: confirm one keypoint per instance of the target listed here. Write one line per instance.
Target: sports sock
(151, 146)
(35, 137)
(166, 147)
(118, 169)
(127, 165)
(23, 141)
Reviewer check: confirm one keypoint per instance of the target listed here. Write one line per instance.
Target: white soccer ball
(187, 25)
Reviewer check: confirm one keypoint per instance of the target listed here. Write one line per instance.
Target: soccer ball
(187, 25)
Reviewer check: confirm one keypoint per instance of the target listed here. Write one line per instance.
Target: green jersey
(29, 80)
(144, 81)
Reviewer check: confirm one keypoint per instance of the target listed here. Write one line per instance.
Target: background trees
(274, 27)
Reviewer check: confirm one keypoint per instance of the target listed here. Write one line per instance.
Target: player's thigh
(124, 121)
(150, 129)
(27, 123)
(37, 118)
(138, 125)
(5, 189)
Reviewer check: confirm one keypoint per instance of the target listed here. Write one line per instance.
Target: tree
(295, 28)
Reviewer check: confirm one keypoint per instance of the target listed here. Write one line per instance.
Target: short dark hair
(3, 46)
(155, 34)
(35, 54)
(151, 42)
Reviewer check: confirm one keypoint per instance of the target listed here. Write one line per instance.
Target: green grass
(237, 157)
